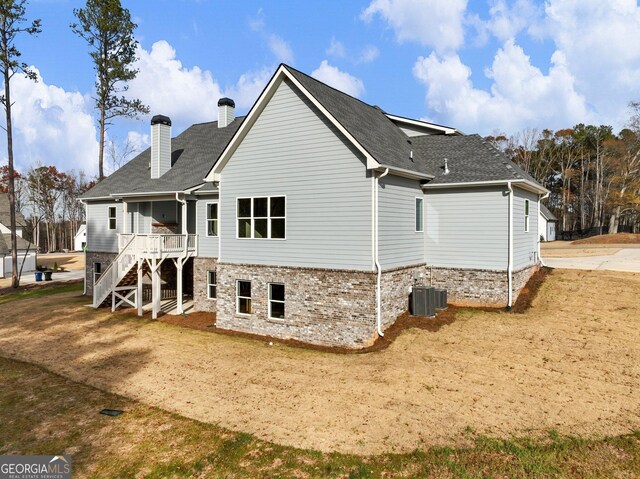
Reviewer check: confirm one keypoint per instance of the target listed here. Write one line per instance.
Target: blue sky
(481, 66)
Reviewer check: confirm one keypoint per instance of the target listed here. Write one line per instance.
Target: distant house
(26, 251)
(547, 223)
(312, 217)
(80, 239)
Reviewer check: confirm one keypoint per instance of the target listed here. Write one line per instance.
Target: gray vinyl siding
(292, 150)
(467, 228)
(399, 243)
(164, 212)
(144, 218)
(207, 245)
(525, 244)
(99, 236)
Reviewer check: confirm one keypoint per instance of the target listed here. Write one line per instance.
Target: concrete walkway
(626, 259)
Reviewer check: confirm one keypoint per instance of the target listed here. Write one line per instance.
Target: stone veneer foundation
(322, 306)
(201, 266)
(96, 257)
(478, 287)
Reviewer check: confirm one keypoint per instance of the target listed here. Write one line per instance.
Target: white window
(276, 301)
(261, 218)
(526, 215)
(112, 217)
(419, 225)
(212, 284)
(97, 271)
(212, 219)
(243, 295)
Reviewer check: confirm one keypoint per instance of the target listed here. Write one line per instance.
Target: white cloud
(336, 49)
(434, 23)
(188, 95)
(51, 126)
(338, 79)
(280, 49)
(278, 46)
(368, 54)
(520, 95)
(248, 87)
(600, 43)
(506, 19)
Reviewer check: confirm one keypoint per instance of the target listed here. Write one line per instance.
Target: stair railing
(114, 273)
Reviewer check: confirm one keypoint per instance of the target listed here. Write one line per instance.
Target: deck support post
(179, 264)
(156, 291)
(140, 274)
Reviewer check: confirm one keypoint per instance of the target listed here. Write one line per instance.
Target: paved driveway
(625, 259)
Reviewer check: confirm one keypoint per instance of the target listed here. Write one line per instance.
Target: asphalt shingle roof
(469, 158)
(5, 206)
(193, 153)
(547, 213)
(197, 149)
(5, 244)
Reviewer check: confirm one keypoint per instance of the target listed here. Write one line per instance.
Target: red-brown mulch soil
(530, 291)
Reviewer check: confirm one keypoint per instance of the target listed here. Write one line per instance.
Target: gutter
(540, 197)
(510, 257)
(532, 186)
(376, 258)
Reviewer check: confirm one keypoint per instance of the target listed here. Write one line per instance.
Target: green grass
(43, 413)
(20, 294)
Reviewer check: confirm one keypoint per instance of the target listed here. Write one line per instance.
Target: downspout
(510, 260)
(376, 258)
(540, 197)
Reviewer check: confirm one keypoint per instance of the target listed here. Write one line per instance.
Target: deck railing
(150, 245)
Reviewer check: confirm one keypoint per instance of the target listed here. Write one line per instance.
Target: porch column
(184, 216)
(139, 293)
(125, 217)
(179, 309)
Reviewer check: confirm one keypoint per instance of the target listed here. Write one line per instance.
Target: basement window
(526, 216)
(212, 284)
(97, 271)
(112, 218)
(243, 295)
(276, 301)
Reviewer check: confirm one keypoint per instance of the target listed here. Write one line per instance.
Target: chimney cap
(163, 120)
(226, 102)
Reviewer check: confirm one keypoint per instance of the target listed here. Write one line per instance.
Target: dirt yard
(618, 238)
(569, 364)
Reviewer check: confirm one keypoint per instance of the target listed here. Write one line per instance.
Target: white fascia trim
(525, 184)
(147, 193)
(424, 124)
(414, 175)
(259, 106)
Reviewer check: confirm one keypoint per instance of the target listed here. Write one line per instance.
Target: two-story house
(312, 217)
(27, 252)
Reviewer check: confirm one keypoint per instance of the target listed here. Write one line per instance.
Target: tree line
(593, 174)
(48, 200)
(108, 31)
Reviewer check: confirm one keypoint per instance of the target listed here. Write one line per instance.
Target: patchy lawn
(618, 238)
(569, 363)
(43, 413)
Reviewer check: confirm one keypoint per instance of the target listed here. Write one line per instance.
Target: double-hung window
(276, 301)
(419, 208)
(212, 284)
(112, 218)
(212, 219)
(526, 215)
(262, 217)
(243, 297)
